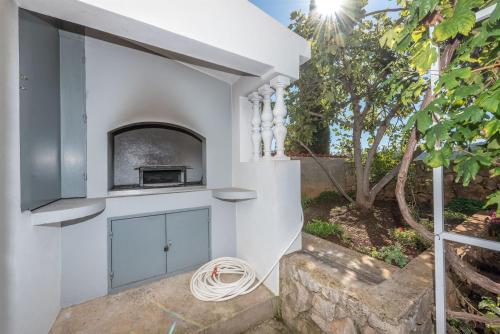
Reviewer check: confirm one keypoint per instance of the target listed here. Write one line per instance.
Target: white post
(279, 84)
(255, 98)
(439, 242)
(267, 120)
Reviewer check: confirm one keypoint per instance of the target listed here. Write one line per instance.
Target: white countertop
(67, 209)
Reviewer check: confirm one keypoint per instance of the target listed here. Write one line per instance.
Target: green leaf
(424, 120)
(495, 16)
(466, 91)
(471, 114)
(492, 127)
(425, 7)
(466, 168)
(494, 143)
(493, 199)
(450, 80)
(409, 124)
(462, 21)
(424, 57)
(490, 100)
(439, 158)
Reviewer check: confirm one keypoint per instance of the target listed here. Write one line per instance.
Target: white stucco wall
(128, 86)
(30, 262)
(265, 226)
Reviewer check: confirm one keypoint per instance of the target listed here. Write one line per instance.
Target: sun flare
(328, 7)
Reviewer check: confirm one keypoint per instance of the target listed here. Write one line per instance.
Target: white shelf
(67, 209)
(234, 194)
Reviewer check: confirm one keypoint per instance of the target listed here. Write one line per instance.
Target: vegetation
(408, 238)
(345, 85)
(460, 108)
(323, 229)
(392, 254)
(465, 205)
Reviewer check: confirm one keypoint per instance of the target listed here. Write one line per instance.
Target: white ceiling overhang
(232, 34)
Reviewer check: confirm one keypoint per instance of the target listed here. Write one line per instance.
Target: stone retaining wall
(326, 288)
(314, 181)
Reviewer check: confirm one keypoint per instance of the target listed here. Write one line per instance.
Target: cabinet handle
(167, 247)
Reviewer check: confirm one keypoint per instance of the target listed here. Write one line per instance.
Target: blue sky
(281, 9)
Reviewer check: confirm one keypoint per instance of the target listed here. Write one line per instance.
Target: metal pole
(438, 200)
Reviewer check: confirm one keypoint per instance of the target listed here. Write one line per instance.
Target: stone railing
(269, 123)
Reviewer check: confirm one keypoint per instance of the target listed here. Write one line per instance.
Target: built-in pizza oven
(151, 155)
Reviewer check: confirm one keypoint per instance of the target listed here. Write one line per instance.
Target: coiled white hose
(206, 284)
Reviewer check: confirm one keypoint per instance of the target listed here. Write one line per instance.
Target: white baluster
(255, 98)
(267, 120)
(280, 83)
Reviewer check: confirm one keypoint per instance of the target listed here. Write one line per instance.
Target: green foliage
(467, 94)
(323, 229)
(386, 159)
(465, 205)
(493, 199)
(428, 224)
(352, 82)
(491, 308)
(328, 196)
(392, 254)
(408, 238)
(306, 202)
(461, 21)
(462, 327)
(454, 216)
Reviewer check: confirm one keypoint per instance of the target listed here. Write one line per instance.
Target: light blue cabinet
(187, 238)
(137, 249)
(143, 248)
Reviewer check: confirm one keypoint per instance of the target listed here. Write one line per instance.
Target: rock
(492, 184)
(368, 330)
(343, 326)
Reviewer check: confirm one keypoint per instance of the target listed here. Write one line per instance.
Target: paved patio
(153, 308)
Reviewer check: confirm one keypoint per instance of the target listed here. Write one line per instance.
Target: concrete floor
(153, 308)
(272, 326)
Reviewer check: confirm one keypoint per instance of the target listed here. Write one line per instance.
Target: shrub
(323, 229)
(428, 224)
(327, 196)
(454, 215)
(464, 205)
(408, 238)
(392, 254)
(306, 202)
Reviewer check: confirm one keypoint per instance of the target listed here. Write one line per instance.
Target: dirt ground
(365, 230)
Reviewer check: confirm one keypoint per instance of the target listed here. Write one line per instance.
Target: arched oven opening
(154, 155)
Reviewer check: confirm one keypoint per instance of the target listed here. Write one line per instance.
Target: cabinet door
(188, 239)
(73, 116)
(137, 249)
(39, 111)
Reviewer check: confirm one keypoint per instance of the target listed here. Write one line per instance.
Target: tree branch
(464, 270)
(373, 151)
(332, 179)
(473, 317)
